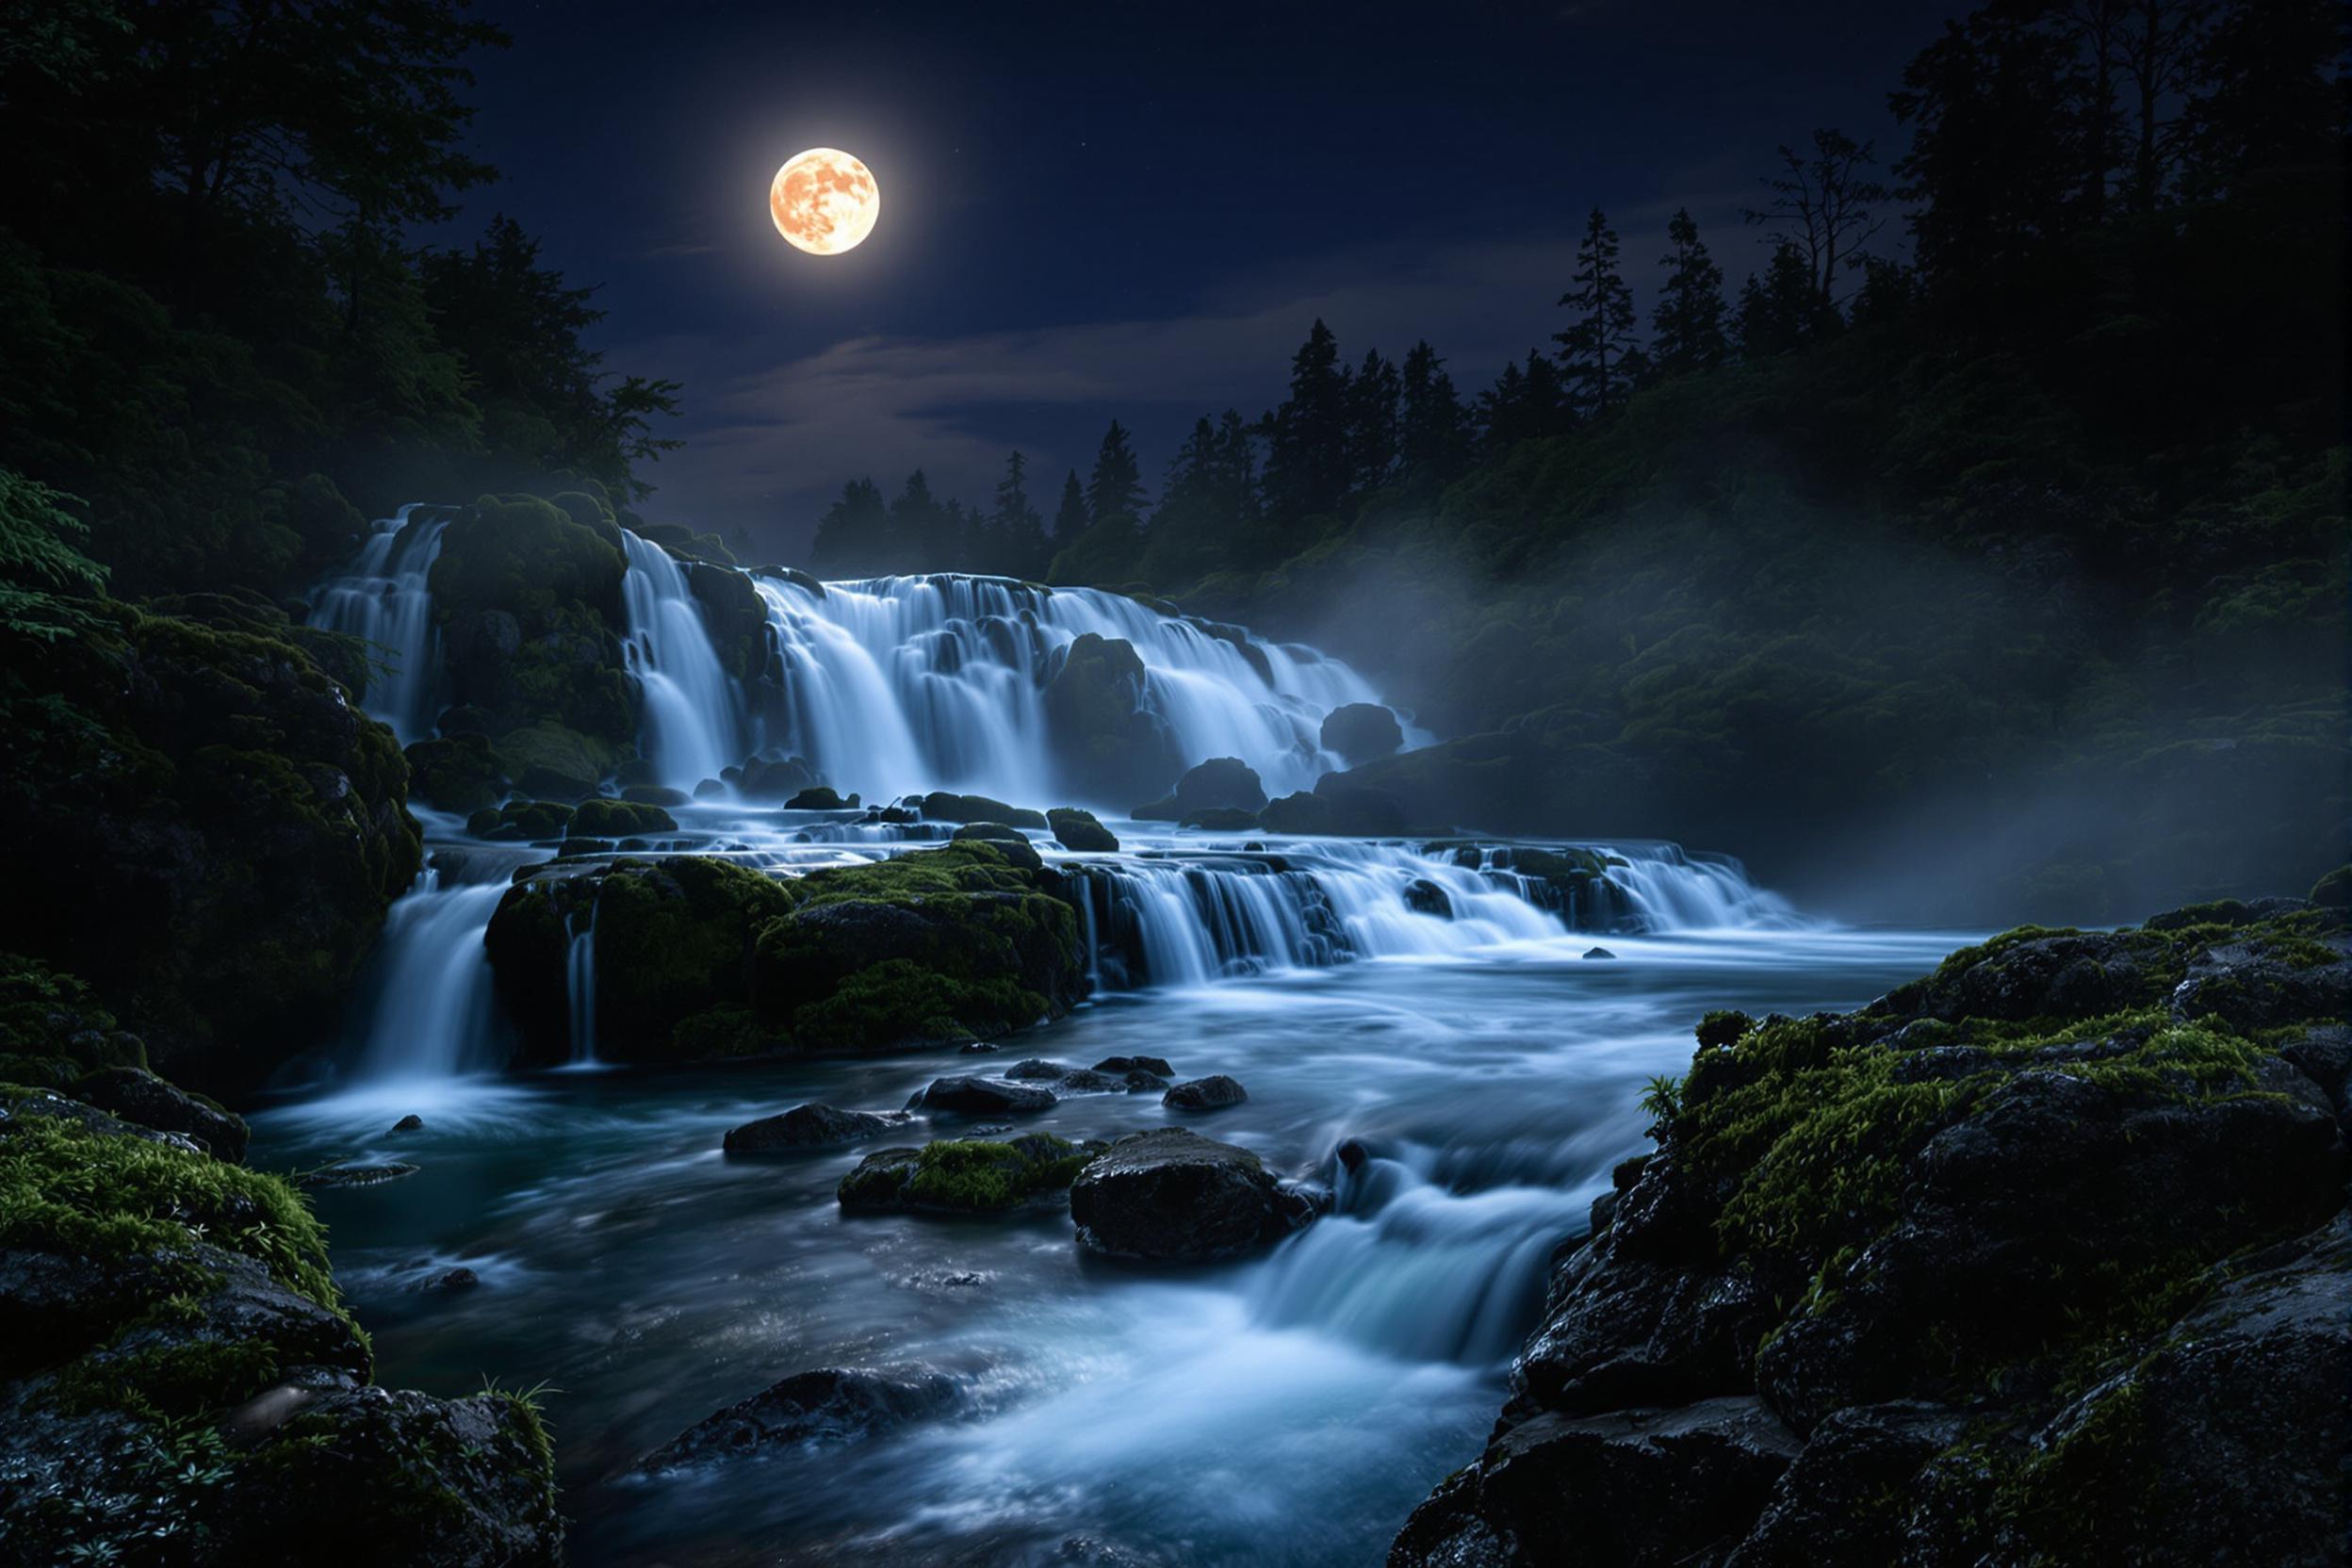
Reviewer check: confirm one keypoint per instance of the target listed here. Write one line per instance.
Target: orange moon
(823, 201)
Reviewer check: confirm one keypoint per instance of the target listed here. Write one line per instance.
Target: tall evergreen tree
(2268, 91)
(1372, 423)
(1306, 461)
(854, 535)
(1070, 518)
(1114, 489)
(923, 531)
(1781, 308)
(1601, 336)
(1018, 542)
(1526, 403)
(1433, 429)
(1687, 328)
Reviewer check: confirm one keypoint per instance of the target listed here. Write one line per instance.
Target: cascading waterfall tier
(383, 597)
(694, 718)
(907, 683)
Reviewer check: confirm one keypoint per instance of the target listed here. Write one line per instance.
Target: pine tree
(1433, 433)
(1018, 546)
(923, 531)
(1781, 308)
(1306, 463)
(1595, 345)
(1526, 403)
(1070, 518)
(1115, 490)
(1372, 424)
(1687, 329)
(854, 535)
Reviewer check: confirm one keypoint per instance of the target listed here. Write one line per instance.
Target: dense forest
(1987, 546)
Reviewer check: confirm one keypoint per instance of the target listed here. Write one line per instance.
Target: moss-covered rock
(199, 823)
(1361, 733)
(1108, 744)
(1982, 1257)
(698, 957)
(53, 1029)
(180, 1382)
(548, 761)
(522, 820)
(1081, 831)
(136, 1095)
(456, 773)
(619, 818)
(940, 806)
(527, 596)
(965, 1175)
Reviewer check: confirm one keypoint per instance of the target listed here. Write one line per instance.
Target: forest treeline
(222, 348)
(1988, 548)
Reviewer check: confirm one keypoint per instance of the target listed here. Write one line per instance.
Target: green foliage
(41, 569)
(967, 1175)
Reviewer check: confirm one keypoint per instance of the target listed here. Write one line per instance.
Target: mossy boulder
(527, 597)
(522, 820)
(199, 823)
(2002, 1264)
(1081, 831)
(940, 806)
(698, 957)
(1361, 733)
(178, 1369)
(820, 798)
(136, 1095)
(456, 773)
(548, 761)
(619, 818)
(1109, 745)
(964, 1175)
(53, 1029)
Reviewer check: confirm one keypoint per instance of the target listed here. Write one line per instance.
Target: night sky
(1105, 210)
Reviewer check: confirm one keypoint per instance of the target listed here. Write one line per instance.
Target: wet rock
(1221, 784)
(833, 1406)
(1213, 1093)
(1361, 733)
(1220, 819)
(1081, 832)
(2260, 985)
(374, 1476)
(453, 1279)
(409, 1124)
(1425, 897)
(1069, 1080)
(983, 1097)
(617, 819)
(822, 798)
(134, 1094)
(964, 1175)
(1170, 1195)
(456, 773)
(1599, 952)
(1109, 742)
(1123, 1065)
(942, 806)
(1843, 1503)
(807, 1127)
(774, 780)
(1703, 1473)
(356, 1174)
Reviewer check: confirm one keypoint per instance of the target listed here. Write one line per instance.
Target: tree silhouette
(1595, 347)
(1824, 204)
(1070, 518)
(1687, 328)
(1018, 544)
(1434, 429)
(1306, 464)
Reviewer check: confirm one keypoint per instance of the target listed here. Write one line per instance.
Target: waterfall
(909, 683)
(1406, 1267)
(692, 710)
(383, 597)
(433, 1011)
(580, 988)
(1159, 921)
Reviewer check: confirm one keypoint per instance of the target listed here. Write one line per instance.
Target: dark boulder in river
(983, 1097)
(807, 1127)
(1081, 831)
(2042, 1258)
(1170, 1195)
(835, 1405)
(1213, 1093)
(1361, 733)
(964, 1175)
(1223, 789)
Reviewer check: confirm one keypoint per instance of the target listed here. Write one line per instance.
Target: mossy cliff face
(2036, 1260)
(697, 958)
(179, 1383)
(199, 823)
(527, 596)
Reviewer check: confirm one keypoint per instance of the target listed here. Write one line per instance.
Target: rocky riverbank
(2040, 1259)
(179, 1382)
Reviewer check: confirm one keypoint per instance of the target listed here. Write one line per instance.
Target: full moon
(823, 201)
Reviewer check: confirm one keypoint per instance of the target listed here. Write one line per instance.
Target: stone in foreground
(831, 1406)
(1172, 1196)
(982, 1097)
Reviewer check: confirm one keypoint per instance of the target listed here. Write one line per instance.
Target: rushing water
(1454, 1049)
(383, 597)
